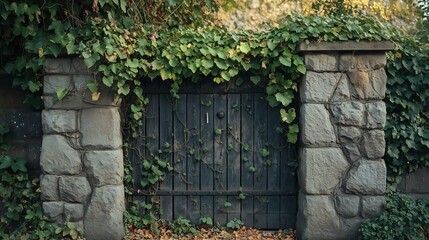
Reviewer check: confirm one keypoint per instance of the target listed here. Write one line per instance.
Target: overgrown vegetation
(125, 42)
(403, 218)
(21, 207)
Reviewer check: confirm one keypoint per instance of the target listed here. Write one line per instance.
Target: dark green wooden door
(229, 159)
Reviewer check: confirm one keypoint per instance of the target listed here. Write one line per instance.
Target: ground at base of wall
(210, 233)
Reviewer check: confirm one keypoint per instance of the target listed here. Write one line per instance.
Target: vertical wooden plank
(260, 162)
(247, 125)
(207, 147)
(288, 211)
(166, 139)
(193, 155)
(273, 220)
(179, 122)
(220, 174)
(233, 154)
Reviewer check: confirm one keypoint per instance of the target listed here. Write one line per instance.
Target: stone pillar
(342, 175)
(81, 158)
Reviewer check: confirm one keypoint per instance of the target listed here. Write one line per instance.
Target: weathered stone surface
(79, 227)
(351, 150)
(376, 114)
(371, 61)
(318, 87)
(316, 127)
(348, 205)
(74, 189)
(342, 91)
(49, 188)
(321, 62)
(348, 134)
(374, 144)
(80, 81)
(349, 113)
(54, 82)
(103, 219)
(367, 178)
(372, 206)
(58, 65)
(58, 157)
(317, 218)
(73, 211)
(104, 167)
(377, 79)
(59, 121)
(79, 66)
(53, 211)
(321, 169)
(416, 182)
(101, 128)
(350, 228)
(360, 83)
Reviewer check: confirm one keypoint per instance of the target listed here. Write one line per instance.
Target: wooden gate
(229, 157)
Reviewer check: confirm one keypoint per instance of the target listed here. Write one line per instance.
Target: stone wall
(416, 184)
(81, 158)
(342, 175)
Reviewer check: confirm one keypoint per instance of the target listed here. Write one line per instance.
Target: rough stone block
(348, 134)
(367, 178)
(321, 169)
(374, 144)
(377, 79)
(376, 114)
(317, 218)
(349, 113)
(49, 188)
(347, 206)
(53, 211)
(58, 65)
(79, 66)
(59, 121)
(316, 127)
(360, 83)
(73, 211)
(372, 206)
(104, 167)
(74, 189)
(318, 87)
(342, 91)
(321, 62)
(80, 81)
(79, 227)
(371, 61)
(351, 150)
(58, 157)
(350, 228)
(103, 219)
(101, 128)
(54, 82)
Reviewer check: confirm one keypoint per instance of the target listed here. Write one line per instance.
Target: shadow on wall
(24, 122)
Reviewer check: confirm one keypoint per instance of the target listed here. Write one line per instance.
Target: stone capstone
(101, 128)
(317, 218)
(321, 169)
(104, 167)
(59, 121)
(318, 87)
(371, 61)
(367, 178)
(73, 211)
(316, 127)
(74, 189)
(372, 206)
(53, 211)
(58, 157)
(349, 113)
(49, 188)
(103, 219)
(347, 206)
(374, 144)
(321, 62)
(376, 114)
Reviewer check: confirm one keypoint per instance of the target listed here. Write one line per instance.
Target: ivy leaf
(207, 63)
(244, 47)
(108, 80)
(6, 162)
(292, 137)
(285, 98)
(61, 93)
(286, 61)
(255, 79)
(302, 69)
(92, 86)
(91, 60)
(288, 116)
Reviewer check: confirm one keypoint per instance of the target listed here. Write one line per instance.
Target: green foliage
(182, 226)
(206, 221)
(403, 218)
(23, 217)
(234, 224)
